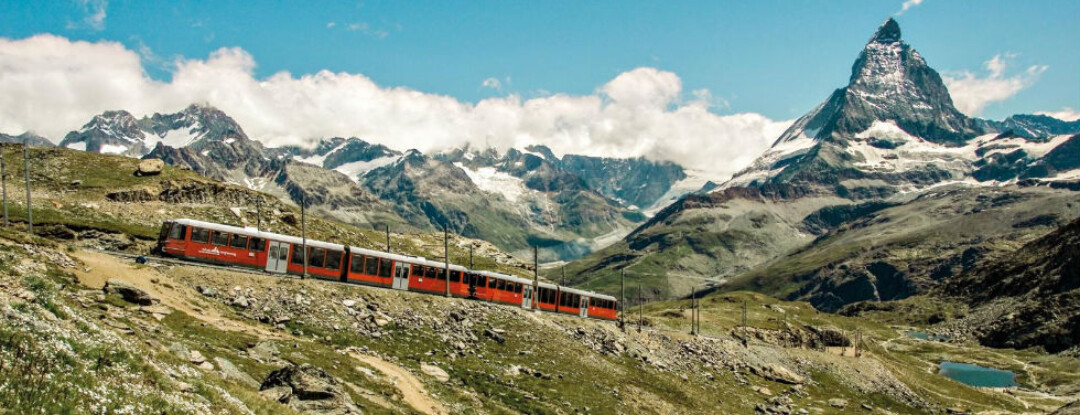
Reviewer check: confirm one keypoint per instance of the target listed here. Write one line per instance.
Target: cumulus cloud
(972, 93)
(53, 85)
(1064, 114)
(95, 15)
(908, 5)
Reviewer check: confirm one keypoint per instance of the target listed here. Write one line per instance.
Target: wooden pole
(303, 232)
(693, 312)
(258, 213)
(26, 166)
(3, 186)
(536, 278)
(622, 299)
(744, 313)
(388, 239)
(446, 252)
(471, 266)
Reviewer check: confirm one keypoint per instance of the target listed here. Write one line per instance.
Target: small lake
(926, 336)
(978, 376)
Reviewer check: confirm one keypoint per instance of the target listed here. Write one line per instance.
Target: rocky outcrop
(150, 167)
(308, 389)
(129, 292)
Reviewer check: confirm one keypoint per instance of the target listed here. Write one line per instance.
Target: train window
(501, 286)
(298, 255)
(238, 241)
(357, 266)
(177, 231)
(200, 235)
(220, 238)
(333, 260)
(384, 268)
(257, 244)
(431, 272)
(418, 270)
(317, 255)
(372, 267)
(492, 282)
(455, 276)
(517, 288)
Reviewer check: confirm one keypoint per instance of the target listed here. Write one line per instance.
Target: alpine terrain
(879, 193)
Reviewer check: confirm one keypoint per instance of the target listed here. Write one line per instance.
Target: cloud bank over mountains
(53, 85)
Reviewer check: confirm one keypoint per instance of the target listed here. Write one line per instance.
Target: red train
(282, 254)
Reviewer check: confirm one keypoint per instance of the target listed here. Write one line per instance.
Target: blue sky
(708, 84)
(777, 58)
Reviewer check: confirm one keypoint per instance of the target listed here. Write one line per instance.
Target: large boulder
(150, 167)
(307, 388)
(129, 293)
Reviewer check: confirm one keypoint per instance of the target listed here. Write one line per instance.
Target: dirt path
(411, 388)
(100, 267)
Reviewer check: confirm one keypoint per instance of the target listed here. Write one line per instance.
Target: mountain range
(878, 193)
(517, 199)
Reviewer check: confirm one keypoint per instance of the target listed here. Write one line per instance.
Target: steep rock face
(112, 132)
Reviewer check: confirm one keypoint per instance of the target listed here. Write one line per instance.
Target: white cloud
(331, 25)
(908, 5)
(971, 94)
(1064, 114)
(492, 83)
(52, 85)
(95, 15)
(365, 28)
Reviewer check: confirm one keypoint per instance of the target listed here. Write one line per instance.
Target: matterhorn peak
(889, 32)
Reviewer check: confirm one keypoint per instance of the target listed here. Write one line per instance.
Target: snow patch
(490, 180)
(113, 149)
(358, 168)
(81, 146)
(179, 137)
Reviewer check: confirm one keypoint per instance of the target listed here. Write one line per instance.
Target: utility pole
(622, 299)
(536, 278)
(388, 239)
(26, 166)
(258, 213)
(3, 185)
(744, 313)
(303, 232)
(641, 308)
(563, 281)
(446, 252)
(693, 312)
(471, 256)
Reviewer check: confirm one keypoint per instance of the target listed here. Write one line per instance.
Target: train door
(526, 296)
(584, 306)
(401, 276)
(277, 257)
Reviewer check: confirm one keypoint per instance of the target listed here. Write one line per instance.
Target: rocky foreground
(87, 332)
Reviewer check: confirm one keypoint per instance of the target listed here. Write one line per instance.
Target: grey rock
(307, 388)
(129, 293)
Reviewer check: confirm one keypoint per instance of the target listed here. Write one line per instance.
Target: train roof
(315, 243)
(502, 276)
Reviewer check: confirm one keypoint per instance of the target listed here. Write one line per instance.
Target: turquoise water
(974, 375)
(926, 336)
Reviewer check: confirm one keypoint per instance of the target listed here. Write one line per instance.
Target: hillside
(1027, 298)
(178, 338)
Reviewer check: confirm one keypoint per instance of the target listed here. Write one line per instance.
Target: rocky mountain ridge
(891, 137)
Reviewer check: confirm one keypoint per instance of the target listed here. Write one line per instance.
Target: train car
(507, 289)
(276, 253)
